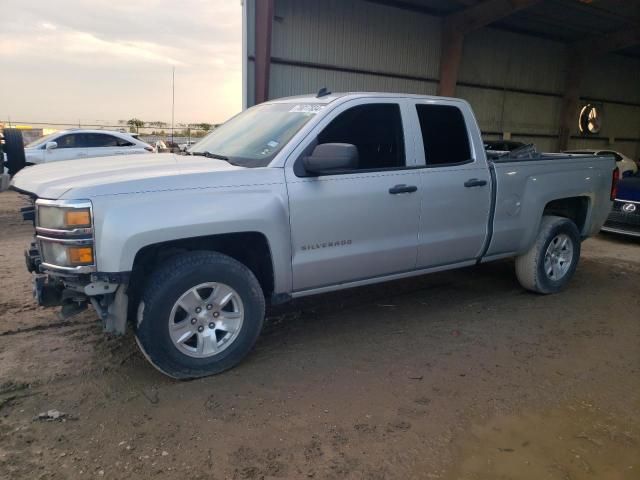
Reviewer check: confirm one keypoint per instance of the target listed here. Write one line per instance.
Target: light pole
(173, 99)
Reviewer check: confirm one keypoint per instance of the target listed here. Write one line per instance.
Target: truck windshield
(255, 136)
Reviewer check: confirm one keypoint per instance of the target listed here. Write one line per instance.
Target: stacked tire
(14, 150)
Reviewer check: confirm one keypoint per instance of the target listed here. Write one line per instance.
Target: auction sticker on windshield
(311, 108)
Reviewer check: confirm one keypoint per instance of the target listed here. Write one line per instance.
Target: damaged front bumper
(73, 292)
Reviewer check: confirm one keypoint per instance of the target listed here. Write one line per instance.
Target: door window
(69, 141)
(376, 131)
(121, 142)
(101, 140)
(444, 135)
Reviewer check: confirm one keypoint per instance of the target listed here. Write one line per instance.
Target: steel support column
(457, 25)
(569, 111)
(264, 26)
(450, 57)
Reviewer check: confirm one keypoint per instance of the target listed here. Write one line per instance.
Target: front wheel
(200, 314)
(552, 260)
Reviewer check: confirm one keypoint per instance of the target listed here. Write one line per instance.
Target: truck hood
(123, 174)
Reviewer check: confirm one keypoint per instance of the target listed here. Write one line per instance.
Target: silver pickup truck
(296, 197)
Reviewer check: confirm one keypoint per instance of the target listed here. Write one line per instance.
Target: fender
(124, 224)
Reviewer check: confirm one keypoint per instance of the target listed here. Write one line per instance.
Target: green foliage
(135, 124)
(203, 126)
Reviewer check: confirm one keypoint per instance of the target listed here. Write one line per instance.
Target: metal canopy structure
(565, 21)
(551, 57)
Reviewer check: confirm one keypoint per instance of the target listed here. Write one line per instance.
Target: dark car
(625, 215)
(502, 145)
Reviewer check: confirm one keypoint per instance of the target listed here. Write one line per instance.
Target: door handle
(474, 182)
(403, 189)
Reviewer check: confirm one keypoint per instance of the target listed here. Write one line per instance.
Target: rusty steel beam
(456, 25)
(609, 42)
(450, 57)
(569, 110)
(484, 13)
(264, 27)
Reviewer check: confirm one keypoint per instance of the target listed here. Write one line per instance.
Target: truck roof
(331, 97)
(94, 130)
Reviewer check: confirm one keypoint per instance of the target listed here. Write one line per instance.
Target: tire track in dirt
(50, 326)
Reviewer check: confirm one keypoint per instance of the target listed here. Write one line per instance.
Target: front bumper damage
(105, 292)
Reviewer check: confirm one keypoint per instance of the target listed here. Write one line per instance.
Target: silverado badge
(316, 246)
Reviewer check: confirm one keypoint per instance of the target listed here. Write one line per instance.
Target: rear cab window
(444, 135)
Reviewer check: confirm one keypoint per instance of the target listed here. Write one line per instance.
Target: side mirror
(51, 145)
(328, 157)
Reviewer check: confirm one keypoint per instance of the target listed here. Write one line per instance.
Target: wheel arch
(575, 208)
(250, 248)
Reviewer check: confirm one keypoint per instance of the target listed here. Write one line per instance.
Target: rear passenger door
(455, 185)
(362, 223)
(103, 145)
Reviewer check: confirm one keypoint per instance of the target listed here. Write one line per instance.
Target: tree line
(135, 124)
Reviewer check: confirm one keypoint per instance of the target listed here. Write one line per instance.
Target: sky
(109, 60)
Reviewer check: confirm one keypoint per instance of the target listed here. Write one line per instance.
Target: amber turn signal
(77, 218)
(80, 255)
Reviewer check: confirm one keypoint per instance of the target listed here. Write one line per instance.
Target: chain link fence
(152, 132)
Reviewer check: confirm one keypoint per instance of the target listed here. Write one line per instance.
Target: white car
(624, 163)
(76, 144)
(185, 146)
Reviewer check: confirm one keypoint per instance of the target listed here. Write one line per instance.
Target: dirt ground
(457, 375)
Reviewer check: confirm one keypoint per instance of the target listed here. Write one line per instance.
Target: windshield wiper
(210, 155)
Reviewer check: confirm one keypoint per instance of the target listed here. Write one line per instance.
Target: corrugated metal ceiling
(563, 20)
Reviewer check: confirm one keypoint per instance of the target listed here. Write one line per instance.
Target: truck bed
(524, 187)
(528, 153)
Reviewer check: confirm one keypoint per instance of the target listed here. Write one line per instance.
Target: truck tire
(200, 314)
(552, 260)
(14, 148)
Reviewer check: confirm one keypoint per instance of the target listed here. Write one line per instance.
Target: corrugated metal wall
(504, 59)
(287, 80)
(343, 33)
(513, 81)
(609, 79)
(499, 73)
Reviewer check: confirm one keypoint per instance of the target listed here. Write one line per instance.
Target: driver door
(355, 225)
(70, 146)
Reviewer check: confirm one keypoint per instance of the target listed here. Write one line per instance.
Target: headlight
(64, 230)
(65, 255)
(63, 218)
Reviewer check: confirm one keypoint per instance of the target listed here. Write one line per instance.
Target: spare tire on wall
(14, 148)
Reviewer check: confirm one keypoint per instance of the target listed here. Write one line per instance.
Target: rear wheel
(14, 148)
(200, 314)
(552, 260)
